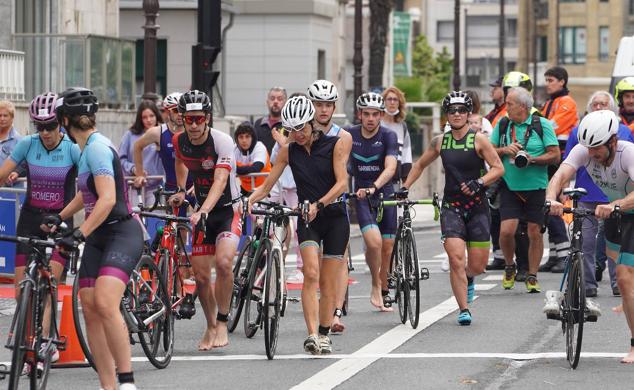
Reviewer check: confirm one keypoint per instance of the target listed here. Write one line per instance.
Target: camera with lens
(521, 159)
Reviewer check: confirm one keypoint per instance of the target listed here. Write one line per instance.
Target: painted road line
(494, 277)
(344, 369)
(485, 286)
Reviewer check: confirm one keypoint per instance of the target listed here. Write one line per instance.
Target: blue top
(99, 158)
(583, 180)
(334, 130)
(7, 145)
(50, 173)
(367, 158)
(151, 161)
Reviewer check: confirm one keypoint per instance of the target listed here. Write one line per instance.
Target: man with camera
(526, 153)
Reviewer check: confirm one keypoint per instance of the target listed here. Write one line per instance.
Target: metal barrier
(12, 75)
(253, 176)
(130, 181)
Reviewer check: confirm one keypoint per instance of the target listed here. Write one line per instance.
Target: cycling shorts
(29, 226)
(622, 242)
(367, 217)
(332, 232)
(222, 224)
(525, 205)
(114, 249)
(472, 226)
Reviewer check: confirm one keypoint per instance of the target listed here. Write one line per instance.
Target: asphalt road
(510, 345)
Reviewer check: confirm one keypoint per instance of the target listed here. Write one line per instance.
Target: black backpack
(536, 126)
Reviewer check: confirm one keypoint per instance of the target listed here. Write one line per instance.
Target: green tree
(380, 11)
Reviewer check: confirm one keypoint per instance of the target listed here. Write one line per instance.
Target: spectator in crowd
(147, 116)
(475, 123)
(560, 108)
(484, 123)
(394, 119)
(497, 96)
(592, 231)
(9, 137)
(624, 95)
(251, 157)
(526, 155)
(268, 129)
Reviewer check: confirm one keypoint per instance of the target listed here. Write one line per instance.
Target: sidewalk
(423, 219)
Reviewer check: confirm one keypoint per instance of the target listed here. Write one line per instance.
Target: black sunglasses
(51, 126)
(457, 110)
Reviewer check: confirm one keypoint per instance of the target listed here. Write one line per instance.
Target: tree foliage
(431, 71)
(380, 11)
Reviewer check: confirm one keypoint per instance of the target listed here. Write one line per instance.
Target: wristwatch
(481, 182)
(320, 206)
(181, 189)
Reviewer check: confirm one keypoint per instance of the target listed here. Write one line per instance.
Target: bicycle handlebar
(435, 201)
(164, 217)
(580, 212)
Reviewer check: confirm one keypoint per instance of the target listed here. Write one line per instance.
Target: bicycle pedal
(60, 343)
(391, 284)
(294, 299)
(424, 273)
(552, 316)
(591, 318)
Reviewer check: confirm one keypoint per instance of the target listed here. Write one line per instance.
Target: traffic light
(203, 75)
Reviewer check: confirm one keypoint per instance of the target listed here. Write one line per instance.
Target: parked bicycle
(31, 343)
(569, 304)
(405, 274)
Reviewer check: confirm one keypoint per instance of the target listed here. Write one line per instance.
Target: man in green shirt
(525, 154)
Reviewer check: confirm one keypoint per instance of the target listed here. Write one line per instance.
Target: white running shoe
(312, 345)
(593, 307)
(325, 345)
(127, 386)
(295, 277)
(553, 302)
(444, 266)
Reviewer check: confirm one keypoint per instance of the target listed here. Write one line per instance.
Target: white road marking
(344, 369)
(485, 286)
(494, 277)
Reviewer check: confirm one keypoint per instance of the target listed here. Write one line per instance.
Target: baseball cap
(497, 82)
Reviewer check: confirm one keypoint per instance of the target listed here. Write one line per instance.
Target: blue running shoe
(470, 288)
(464, 318)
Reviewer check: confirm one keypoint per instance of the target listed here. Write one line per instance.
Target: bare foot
(376, 299)
(629, 359)
(222, 335)
(337, 326)
(207, 341)
(618, 309)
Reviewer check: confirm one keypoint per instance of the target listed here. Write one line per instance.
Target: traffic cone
(72, 355)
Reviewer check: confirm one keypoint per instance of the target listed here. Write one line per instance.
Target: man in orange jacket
(497, 96)
(624, 95)
(560, 108)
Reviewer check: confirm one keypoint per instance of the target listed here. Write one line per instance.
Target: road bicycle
(266, 296)
(405, 274)
(32, 345)
(569, 304)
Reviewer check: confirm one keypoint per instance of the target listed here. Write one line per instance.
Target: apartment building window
(480, 29)
(604, 43)
(572, 45)
(444, 31)
(321, 64)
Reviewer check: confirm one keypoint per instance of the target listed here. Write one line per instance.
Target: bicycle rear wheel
(153, 309)
(240, 280)
(402, 288)
(253, 300)
(80, 324)
(272, 304)
(23, 333)
(412, 278)
(574, 308)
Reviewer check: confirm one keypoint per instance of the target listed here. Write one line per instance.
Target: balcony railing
(55, 62)
(11, 75)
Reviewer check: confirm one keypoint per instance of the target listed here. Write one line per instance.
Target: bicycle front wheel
(23, 333)
(574, 308)
(272, 302)
(240, 280)
(412, 278)
(44, 346)
(152, 308)
(80, 324)
(398, 269)
(255, 288)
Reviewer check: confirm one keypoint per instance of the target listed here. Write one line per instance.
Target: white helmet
(322, 91)
(297, 111)
(171, 100)
(597, 128)
(371, 100)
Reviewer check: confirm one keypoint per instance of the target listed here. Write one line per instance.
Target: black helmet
(457, 97)
(194, 100)
(76, 101)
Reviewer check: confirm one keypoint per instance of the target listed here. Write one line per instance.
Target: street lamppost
(456, 46)
(357, 59)
(150, 8)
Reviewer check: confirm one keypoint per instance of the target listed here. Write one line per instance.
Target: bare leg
(386, 256)
(310, 304)
(508, 227)
(225, 250)
(535, 247)
(342, 286)
(201, 265)
(328, 289)
(625, 279)
(455, 248)
(373, 242)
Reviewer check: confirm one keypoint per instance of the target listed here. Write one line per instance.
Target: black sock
(632, 342)
(470, 279)
(324, 330)
(125, 377)
(465, 311)
(222, 317)
(385, 292)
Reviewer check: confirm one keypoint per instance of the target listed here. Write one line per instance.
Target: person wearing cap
(497, 96)
(560, 108)
(624, 95)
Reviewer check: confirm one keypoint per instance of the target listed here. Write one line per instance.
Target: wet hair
(137, 127)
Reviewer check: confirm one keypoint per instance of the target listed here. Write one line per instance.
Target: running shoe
(295, 277)
(464, 318)
(312, 345)
(553, 302)
(470, 288)
(532, 285)
(508, 281)
(593, 308)
(127, 386)
(444, 266)
(325, 345)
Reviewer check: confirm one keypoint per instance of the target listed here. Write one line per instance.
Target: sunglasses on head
(457, 110)
(51, 126)
(199, 119)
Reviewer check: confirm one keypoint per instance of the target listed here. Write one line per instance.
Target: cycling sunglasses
(199, 119)
(51, 126)
(457, 110)
(296, 128)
